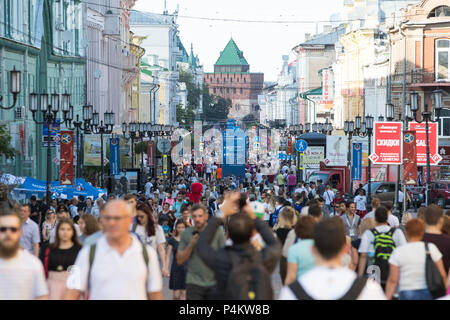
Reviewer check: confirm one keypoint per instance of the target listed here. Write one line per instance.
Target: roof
(312, 92)
(231, 55)
(148, 18)
(326, 38)
(147, 72)
(184, 55)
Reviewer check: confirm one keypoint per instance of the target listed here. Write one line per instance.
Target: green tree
(185, 115)
(249, 120)
(5, 143)
(215, 108)
(193, 91)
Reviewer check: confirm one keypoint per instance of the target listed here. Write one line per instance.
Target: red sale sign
(388, 146)
(421, 143)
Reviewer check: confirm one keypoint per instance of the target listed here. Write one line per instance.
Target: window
(214, 90)
(442, 59)
(441, 11)
(234, 90)
(228, 90)
(231, 80)
(242, 91)
(221, 91)
(217, 80)
(245, 80)
(444, 123)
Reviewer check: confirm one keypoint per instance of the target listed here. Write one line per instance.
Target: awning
(312, 92)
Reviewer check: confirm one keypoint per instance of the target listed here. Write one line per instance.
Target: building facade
(43, 39)
(233, 80)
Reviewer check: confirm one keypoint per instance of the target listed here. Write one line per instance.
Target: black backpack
(248, 279)
(352, 294)
(384, 246)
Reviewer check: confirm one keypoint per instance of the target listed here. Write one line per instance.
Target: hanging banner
(409, 157)
(421, 143)
(150, 154)
(114, 156)
(337, 150)
(66, 158)
(313, 156)
(92, 150)
(357, 161)
(289, 146)
(387, 143)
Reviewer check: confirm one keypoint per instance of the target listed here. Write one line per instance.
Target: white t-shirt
(153, 241)
(22, 277)
(148, 187)
(392, 220)
(248, 177)
(410, 258)
(270, 210)
(400, 196)
(259, 177)
(276, 188)
(328, 196)
(300, 190)
(115, 276)
(323, 283)
(360, 202)
(367, 239)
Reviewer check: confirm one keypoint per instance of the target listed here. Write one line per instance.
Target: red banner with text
(387, 139)
(421, 141)
(66, 158)
(409, 157)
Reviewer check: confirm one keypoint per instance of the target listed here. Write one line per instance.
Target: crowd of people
(203, 233)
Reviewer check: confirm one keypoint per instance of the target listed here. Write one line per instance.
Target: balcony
(422, 78)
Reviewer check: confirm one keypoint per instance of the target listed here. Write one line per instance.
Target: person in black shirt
(36, 211)
(58, 257)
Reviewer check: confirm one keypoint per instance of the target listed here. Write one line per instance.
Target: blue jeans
(423, 294)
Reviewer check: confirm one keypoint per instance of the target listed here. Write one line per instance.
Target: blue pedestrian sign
(301, 145)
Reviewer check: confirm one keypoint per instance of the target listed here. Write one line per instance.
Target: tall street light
(98, 127)
(132, 128)
(49, 115)
(14, 87)
(349, 129)
(427, 117)
(83, 126)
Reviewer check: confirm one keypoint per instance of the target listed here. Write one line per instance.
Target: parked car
(385, 191)
(440, 193)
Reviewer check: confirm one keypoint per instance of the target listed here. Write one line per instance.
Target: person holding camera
(200, 278)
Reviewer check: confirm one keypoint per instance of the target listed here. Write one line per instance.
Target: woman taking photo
(88, 225)
(151, 233)
(407, 265)
(48, 225)
(177, 281)
(59, 256)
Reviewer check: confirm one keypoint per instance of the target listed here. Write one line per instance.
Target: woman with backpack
(407, 265)
(58, 257)
(151, 233)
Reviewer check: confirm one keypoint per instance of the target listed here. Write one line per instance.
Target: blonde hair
(366, 224)
(287, 218)
(406, 217)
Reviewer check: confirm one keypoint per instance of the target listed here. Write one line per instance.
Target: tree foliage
(249, 120)
(215, 108)
(5, 143)
(185, 115)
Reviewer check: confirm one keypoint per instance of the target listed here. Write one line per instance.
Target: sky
(263, 44)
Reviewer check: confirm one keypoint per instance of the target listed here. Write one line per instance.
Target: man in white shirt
(328, 195)
(329, 280)
(148, 188)
(300, 188)
(21, 273)
(29, 236)
(360, 201)
(122, 268)
(367, 249)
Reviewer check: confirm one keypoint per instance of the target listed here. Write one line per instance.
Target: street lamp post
(83, 126)
(14, 87)
(100, 128)
(132, 128)
(349, 129)
(426, 116)
(49, 115)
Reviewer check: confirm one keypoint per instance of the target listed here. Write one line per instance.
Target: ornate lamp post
(98, 127)
(427, 117)
(349, 129)
(83, 126)
(49, 115)
(14, 87)
(132, 128)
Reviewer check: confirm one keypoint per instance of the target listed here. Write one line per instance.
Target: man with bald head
(118, 266)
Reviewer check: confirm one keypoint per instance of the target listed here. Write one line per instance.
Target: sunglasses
(12, 229)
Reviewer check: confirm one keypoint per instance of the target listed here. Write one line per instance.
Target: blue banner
(114, 156)
(357, 161)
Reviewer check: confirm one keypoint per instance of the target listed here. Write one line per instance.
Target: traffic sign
(387, 143)
(301, 145)
(56, 160)
(421, 142)
(105, 161)
(163, 145)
